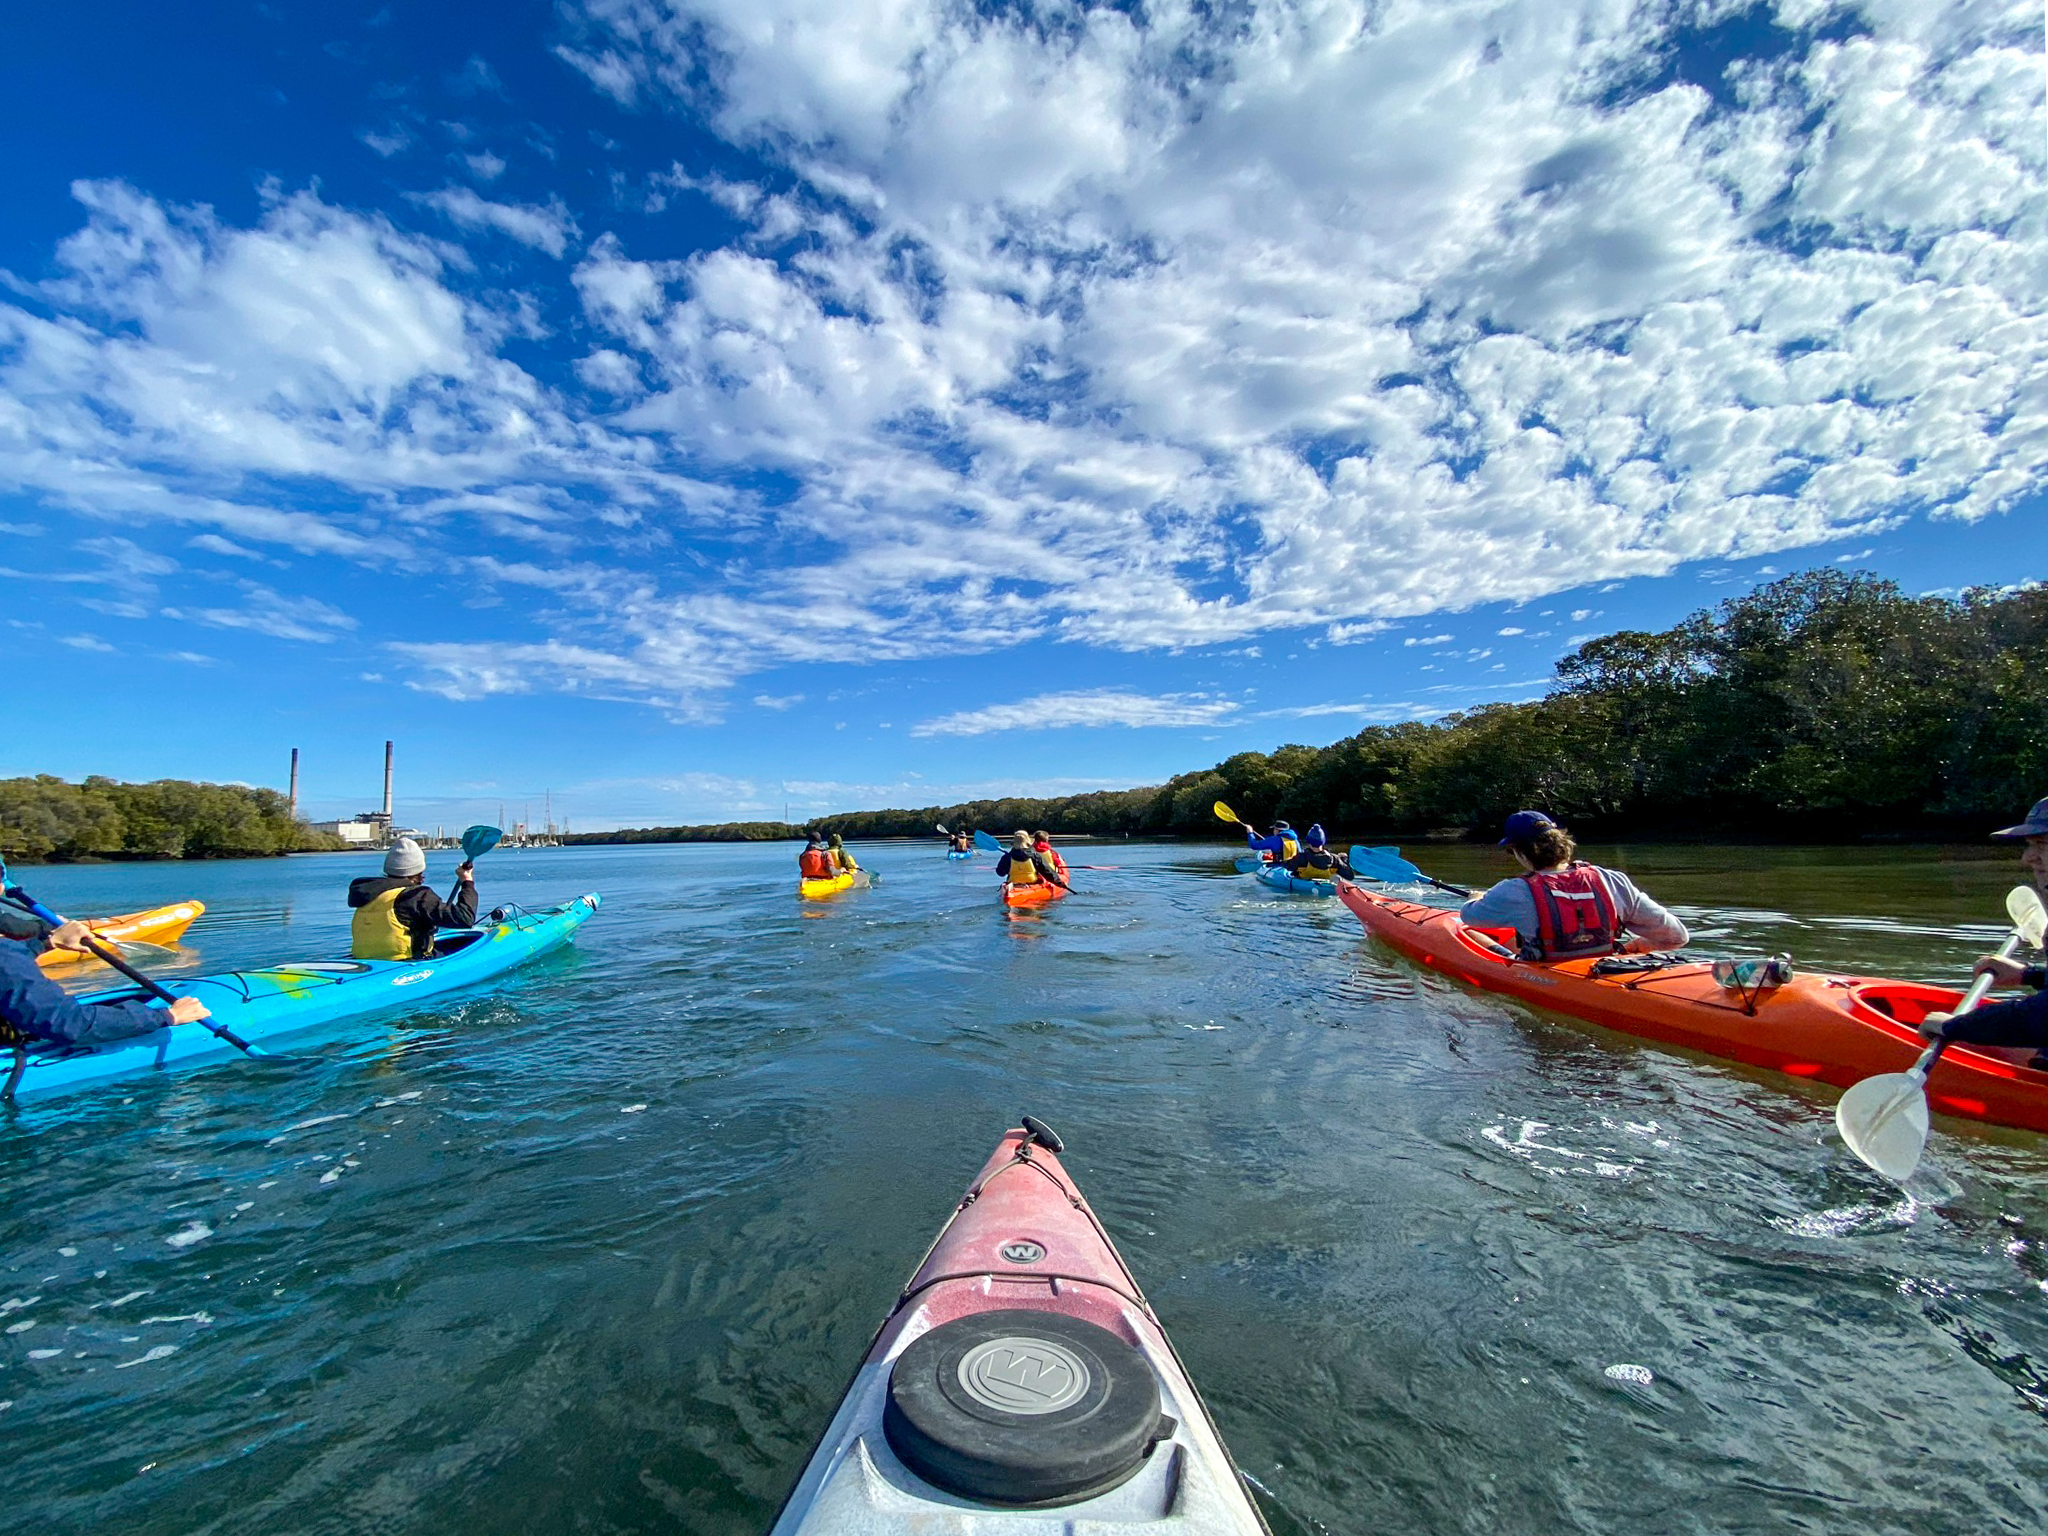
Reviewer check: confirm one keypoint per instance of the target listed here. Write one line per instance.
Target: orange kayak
(1034, 895)
(1829, 1029)
(159, 925)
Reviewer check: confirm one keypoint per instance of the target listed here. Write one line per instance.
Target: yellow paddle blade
(1225, 813)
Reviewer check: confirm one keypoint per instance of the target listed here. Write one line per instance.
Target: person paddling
(1279, 845)
(2023, 1021)
(1316, 861)
(396, 914)
(842, 861)
(35, 1010)
(1562, 908)
(1041, 844)
(1025, 865)
(963, 842)
(816, 861)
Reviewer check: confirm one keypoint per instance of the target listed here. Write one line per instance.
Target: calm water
(599, 1251)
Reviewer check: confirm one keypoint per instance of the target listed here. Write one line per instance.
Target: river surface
(598, 1251)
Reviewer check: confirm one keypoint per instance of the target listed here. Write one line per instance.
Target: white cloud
(87, 642)
(547, 229)
(485, 167)
(269, 612)
(770, 701)
(1511, 629)
(386, 143)
(1093, 707)
(1427, 640)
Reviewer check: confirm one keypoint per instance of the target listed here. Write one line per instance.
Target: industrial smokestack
(387, 783)
(295, 785)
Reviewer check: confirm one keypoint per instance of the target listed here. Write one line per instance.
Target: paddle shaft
(142, 981)
(1977, 993)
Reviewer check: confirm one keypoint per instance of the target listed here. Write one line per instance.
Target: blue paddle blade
(1383, 864)
(986, 843)
(480, 840)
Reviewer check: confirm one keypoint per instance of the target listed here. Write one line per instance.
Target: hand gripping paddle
(1884, 1118)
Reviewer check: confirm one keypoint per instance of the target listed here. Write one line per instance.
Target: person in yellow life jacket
(816, 861)
(1281, 842)
(841, 859)
(1316, 861)
(1025, 865)
(1041, 843)
(396, 915)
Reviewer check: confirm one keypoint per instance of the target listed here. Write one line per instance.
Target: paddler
(1562, 908)
(1280, 843)
(1316, 861)
(2023, 1021)
(1025, 865)
(1041, 844)
(963, 842)
(34, 1008)
(816, 862)
(396, 915)
(842, 861)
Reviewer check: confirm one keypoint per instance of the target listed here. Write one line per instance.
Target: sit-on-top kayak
(958, 853)
(831, 885)
(159, 925)
(1036, 894)
(1830, 1029)
(1021, 1384)
(1276, 878)
(260, 1005)
(1248, 862)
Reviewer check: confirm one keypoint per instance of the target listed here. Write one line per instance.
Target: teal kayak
(1280, 880)
(279, 1000)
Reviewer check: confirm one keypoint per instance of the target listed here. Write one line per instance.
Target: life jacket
(1052, 856)
(1316, 864)
(1289, 848)
(376, 932)
(1575, 914)
(841, 859)
(1023, 868)
(816, 864)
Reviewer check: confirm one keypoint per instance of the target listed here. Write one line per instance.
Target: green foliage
(1825, 704)
(47, 818)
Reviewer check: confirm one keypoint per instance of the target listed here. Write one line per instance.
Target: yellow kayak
(831, 885)
(159, 925)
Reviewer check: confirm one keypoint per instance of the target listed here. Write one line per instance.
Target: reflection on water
(598, 1251)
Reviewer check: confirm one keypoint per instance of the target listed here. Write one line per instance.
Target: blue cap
(2036, 824)
(1524, 825)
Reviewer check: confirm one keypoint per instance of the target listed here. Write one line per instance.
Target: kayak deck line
(269, 1002)
(1815, 1026)
(1020, 1383)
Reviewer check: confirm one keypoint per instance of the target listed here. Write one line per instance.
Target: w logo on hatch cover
(1023, 1251)
(1020, 1375)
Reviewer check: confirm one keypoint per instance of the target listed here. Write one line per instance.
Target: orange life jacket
(816, 864)
(1575, 913)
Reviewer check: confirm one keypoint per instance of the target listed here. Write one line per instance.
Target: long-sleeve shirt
(1511, 904)
(2022, 1021)
(419, 907)
(1274, 844)
(35, 1005)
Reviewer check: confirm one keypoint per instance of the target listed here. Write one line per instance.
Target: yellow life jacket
(1288, 849)
(1316, 864)
(843, 859)
(1023, 868)
(375, 933)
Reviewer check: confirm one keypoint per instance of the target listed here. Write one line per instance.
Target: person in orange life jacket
(2023, 1021)
(816, 861)
(1041, 843)
(34, 1008)
(1563, 909)
(1316, 861)
(841, 859)
(1281, 842)
(396, 915)
(1025, 865)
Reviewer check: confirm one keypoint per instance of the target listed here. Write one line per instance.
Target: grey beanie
(405, 859)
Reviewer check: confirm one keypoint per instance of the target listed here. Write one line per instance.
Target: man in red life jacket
(816, 861)
(1562, 908)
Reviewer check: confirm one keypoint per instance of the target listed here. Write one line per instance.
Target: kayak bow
(158, 925)
(1020, 1384)
(1821, 1028)
(830, 885)
(284, 999)
(1273, 877)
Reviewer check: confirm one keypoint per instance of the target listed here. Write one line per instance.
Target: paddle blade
(1385, 864)
(1225, 813)
(986, 843)
(1884, 1121)
(480, 840)
(2023, 906)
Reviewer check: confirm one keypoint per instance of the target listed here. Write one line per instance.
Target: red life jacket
(816, 864)
(1575, 914)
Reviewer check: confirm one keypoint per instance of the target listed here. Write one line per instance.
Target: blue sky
(689, 405)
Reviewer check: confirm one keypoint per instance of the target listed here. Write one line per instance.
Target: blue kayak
(956, 853)
(263, 1004)
(1279, 879)
(1249, 862)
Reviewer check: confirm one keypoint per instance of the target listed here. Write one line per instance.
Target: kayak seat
(1023, 1408)
(1506, 940)
(455, 943)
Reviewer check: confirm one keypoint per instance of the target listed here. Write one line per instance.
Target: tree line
(48, 818)
(1825, 705)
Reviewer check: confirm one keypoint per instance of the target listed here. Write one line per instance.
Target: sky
(688, 409)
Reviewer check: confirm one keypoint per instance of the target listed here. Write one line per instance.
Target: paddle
(480, 840)
(1884, 1118)
(1387, 865)
(1225, 813)
(107, 955)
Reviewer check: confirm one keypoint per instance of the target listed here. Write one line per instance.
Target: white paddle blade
(1884, 1121)
(2023, 905)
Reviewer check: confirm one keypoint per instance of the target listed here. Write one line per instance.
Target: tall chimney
(387, 783)
(295, 785)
